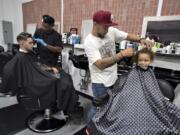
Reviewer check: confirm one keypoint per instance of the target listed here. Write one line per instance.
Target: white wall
(1, 18)
(11, 10)
(24, 1)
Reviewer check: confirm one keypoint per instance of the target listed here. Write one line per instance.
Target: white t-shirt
(98, 48)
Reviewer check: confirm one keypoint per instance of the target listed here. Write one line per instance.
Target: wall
(128, 13)
(33, 11)
(171, 7)
(11, 10)
(1, 17)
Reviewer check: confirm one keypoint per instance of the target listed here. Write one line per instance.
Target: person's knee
(66, 83)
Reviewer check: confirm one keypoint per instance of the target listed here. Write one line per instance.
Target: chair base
(38, 123)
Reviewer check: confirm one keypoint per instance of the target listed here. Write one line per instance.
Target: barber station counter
(167, 61)
(76, 73)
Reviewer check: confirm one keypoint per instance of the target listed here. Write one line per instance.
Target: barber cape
(137, 107)
(22, 75)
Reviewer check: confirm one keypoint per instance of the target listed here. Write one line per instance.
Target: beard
(100, 35)
(48, 31)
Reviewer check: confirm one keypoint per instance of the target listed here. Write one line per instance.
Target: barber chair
(166, 89)
(1, 49)
(4, 58)
(40, 120)
(81, 62)
(15, 49)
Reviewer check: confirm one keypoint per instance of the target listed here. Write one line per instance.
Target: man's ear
(95, 23)
(21, 43)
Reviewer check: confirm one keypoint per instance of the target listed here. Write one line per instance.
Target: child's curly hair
(147, 51)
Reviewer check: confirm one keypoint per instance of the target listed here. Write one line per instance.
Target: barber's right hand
(127, 52)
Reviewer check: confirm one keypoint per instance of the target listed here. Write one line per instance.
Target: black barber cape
(23, 75)
(137, 107)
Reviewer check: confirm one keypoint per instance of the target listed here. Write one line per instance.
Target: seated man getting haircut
(25, 74)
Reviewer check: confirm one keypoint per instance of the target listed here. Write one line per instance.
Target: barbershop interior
(90, 67)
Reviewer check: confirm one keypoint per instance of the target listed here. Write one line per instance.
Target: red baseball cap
(104, 17)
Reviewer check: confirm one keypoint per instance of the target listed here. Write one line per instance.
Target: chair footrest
(41, 125)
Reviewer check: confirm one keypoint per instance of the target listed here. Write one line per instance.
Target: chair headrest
(167, 89)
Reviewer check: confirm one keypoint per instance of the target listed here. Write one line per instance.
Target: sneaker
(88, 131)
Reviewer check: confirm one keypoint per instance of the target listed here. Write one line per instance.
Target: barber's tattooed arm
(142, 41)
(109, 61)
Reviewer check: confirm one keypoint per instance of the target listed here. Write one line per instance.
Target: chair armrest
(8, 94)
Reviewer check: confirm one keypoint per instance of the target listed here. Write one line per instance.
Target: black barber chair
(15, 48)
(1, 49)
(40, 120)
(166, 89)
(4, 58)
(81, 62)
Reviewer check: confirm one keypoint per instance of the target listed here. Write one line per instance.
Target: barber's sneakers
(88, 131)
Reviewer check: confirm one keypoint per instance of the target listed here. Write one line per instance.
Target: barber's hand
(147, 43)
(55, 70)
(40, 41)
(127, 52)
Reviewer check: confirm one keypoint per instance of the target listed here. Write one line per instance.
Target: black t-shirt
(52, 38)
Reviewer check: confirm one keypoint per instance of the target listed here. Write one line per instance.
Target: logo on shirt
(107, 50)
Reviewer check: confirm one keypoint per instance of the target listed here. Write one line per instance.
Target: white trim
(25, 1)
(159, 8)
(86, 28)
(62, 16)
(58, 26)
(156, 18)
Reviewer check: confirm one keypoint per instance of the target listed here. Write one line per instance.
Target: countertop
(168, 61)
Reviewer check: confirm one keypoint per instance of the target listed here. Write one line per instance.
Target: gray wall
(11, 10)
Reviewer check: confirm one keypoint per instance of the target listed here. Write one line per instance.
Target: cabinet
(7, 29)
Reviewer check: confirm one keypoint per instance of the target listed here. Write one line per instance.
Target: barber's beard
(101, 35)
(47, 31)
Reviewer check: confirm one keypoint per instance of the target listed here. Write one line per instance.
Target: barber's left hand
(147, 43)
(40, 41)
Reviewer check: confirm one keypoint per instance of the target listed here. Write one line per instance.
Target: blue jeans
(98, 90)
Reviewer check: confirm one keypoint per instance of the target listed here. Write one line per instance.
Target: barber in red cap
(100, 49)
(49, 42)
